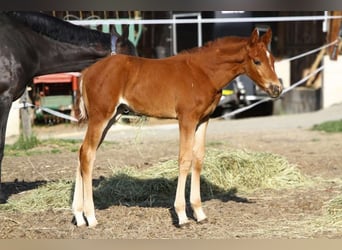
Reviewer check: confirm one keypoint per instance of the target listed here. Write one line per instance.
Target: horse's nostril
(275, 90)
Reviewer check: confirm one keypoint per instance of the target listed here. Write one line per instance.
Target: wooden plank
(333, 34)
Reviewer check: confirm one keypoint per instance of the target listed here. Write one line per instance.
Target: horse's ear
(113, 31)
(267, 37)
(254, 38)
(125, 31)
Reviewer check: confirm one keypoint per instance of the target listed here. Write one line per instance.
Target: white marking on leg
(198, 156)
(77, 204)
(180, 205)
(200, 215)
(92, 222)
(182, 218)
(79, 219)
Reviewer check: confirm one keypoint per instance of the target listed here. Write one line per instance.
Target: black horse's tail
(82, 102)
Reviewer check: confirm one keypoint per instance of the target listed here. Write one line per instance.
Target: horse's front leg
(5, 106)
(187, 131)
(197, 162)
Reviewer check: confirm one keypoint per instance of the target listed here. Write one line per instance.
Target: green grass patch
(24, 143)
(51, 146)
(34, 146)
(22, 146)
(224, 174)
(329, 126)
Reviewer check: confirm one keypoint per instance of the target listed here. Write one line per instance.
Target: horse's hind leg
(197, 162)
(77, 204)
(83, 204)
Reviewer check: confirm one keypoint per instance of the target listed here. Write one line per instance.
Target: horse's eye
(256, 62)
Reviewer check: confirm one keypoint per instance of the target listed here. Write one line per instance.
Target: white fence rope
(311, 51)
(204, 20)
(240, 110)
(48, 110)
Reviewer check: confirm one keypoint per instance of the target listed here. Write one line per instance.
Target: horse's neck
(56, 57)
(60, 30)
(223, 64)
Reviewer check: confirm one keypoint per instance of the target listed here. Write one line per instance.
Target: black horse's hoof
(3, 199)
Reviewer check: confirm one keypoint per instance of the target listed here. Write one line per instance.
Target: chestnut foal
(186, 87)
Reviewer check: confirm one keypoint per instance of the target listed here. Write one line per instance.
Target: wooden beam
(333, 34)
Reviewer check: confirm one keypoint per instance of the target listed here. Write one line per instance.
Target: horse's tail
(82, 102)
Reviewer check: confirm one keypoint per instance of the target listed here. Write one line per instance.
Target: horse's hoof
(184, 224)
(3, 199)
(78, 220)
(81, 224)
(92, 222)
(203, 221)
(78, 223)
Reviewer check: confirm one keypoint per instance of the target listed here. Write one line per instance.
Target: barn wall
(332, 82)
(295, 38)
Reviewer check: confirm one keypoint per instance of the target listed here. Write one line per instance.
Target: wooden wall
(294, 38)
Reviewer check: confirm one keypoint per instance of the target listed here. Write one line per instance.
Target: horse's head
(125, 46)
(260, 64)
(122, 44)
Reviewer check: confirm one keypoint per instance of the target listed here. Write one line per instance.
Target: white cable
(237, 111)
(204, 20)
(311, 51)
(48, 110)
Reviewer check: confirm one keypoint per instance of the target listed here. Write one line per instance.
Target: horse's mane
(60, 30)
(219, 42)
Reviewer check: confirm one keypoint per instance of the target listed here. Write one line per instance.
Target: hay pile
(56, 195)
(224, 173)
(248, 171)
(333, 211)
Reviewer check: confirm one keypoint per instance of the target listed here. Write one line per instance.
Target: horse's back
(138, 71)
(154, 87)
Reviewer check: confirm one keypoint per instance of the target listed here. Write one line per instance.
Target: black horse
(33, 43)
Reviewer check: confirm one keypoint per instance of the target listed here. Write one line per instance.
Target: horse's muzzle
(274, 90)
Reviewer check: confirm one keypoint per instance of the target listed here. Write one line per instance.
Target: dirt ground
(265, 214)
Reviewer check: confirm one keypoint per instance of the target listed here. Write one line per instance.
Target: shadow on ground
(154, 192)
(126, 190)
(15, 187)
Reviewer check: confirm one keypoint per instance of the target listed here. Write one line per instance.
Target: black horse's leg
(5, 106)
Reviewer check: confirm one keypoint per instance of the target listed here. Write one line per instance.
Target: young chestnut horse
(186, 87)
(34, 43)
